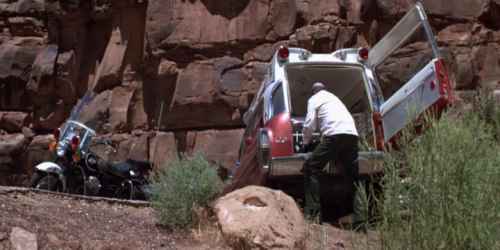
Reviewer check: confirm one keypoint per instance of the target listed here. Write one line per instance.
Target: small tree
(182, 186)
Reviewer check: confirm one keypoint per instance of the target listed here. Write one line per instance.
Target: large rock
(16, 57)
(50, 116)
(218, 146)
(260, 218)
(314, 11)
(207, 95)
(206, 23)
(324, 37)
(20, 239)
(466, 9)
(13, 122)
(119, 108)
(11, 144)
(487, 65)
(25, 26)
(38, 152)
(131, 146)
(162, 149)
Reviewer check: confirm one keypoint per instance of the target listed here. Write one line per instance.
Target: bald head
(317, 87)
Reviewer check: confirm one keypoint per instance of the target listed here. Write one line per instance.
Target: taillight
(283, 53)
(363, 54)
(444, 81)
(379, 130)
(75, 141)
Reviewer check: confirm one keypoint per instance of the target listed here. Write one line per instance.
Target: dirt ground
(66, 222)
(62, 222)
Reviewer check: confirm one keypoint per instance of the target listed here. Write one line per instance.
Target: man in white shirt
(339, 142)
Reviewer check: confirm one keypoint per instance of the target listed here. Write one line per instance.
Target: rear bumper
(370, 163)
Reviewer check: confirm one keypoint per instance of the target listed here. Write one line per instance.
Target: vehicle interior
(345, 81)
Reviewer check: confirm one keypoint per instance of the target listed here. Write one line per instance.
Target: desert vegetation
(183, 186)
(441, 190)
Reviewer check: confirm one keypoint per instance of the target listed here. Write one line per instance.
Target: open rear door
(428, 87)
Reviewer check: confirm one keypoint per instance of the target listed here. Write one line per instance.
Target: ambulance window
(278, 101)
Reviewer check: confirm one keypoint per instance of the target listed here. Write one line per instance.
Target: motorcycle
(78, 170)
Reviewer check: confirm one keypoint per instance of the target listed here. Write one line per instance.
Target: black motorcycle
(76, 169)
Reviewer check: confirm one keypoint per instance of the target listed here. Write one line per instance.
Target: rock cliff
(190, 68)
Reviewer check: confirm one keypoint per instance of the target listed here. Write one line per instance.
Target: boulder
(283, 14)
(217, 23)
(315, 11)
(487, 65)
(260, 218)
(67, 76)
(38, 151)
(131, 146)
(139, 148)
(20, 239)
(11, 144)
(41, 84)
(324, 37)
(466, 9)
(200, 100)
(25, 26)
(119, 108)
(16, 56)
(13, 122)
(218, 146)
(162, 149)
(108, 74)
(28, 6)
(50, 116)
(457, 34)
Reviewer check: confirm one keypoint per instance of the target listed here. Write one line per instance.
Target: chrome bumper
(370, 163)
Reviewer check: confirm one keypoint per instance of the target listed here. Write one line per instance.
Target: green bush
(182, 186)
(448, 196)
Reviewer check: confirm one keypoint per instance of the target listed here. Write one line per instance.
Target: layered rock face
(190, 68)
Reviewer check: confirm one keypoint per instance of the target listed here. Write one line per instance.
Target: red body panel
(280, 135)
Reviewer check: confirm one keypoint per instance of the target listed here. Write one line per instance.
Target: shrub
(448, 198)
(182, 186)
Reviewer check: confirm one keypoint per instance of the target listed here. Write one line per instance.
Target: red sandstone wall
(202, 59)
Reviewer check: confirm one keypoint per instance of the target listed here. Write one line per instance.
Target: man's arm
(310, 122)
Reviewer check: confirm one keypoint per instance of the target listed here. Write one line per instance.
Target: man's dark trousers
(341, 148)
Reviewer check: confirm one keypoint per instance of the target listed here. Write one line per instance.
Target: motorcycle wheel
(48, 182)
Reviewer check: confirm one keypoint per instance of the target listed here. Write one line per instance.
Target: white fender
(49, 167)
(52, 168)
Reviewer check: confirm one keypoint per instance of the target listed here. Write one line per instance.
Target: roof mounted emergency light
(283, 53)
(363, 54)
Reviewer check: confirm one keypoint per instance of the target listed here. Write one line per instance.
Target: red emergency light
(283, 53)
(75, 141)
(363, 54)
